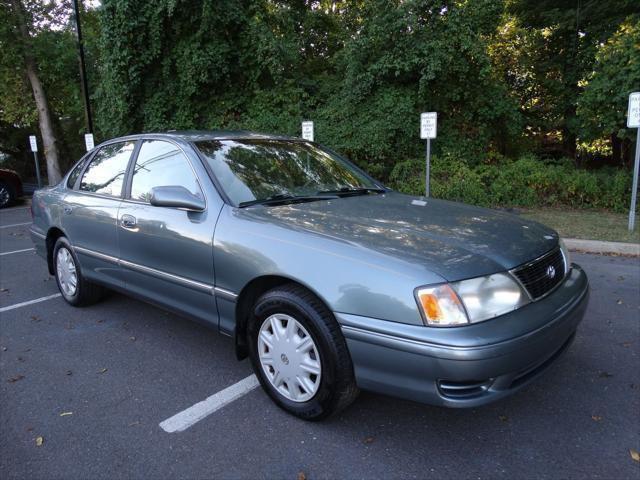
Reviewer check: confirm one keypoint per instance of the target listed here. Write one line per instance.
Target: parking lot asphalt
(83, 391)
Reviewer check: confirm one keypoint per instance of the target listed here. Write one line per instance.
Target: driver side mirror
(177, 197)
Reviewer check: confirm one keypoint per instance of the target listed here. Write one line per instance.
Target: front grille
(541, 276)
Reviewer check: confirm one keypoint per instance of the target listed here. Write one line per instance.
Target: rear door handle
(68, 210)
(128, 221)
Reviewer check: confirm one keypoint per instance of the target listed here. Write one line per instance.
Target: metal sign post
(428, 130)
(307, 130)
(34, 149)
(633, 121)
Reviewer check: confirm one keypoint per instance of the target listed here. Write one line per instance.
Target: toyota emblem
(551, 271)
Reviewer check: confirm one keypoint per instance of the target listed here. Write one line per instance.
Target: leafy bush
(526, 182)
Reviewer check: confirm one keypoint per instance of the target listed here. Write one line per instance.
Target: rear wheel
(75, 289)
(7, 195)
(299, 354)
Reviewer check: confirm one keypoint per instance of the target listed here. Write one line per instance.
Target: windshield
(251, 170)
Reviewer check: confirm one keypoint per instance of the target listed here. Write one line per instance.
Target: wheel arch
(247, 298)
(53, 234)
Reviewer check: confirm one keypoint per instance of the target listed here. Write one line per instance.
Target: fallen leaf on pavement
(133, 339)
(626, 344)
(103, 370)
(503, 418)
(15, 379)
(301, 476)
(368, 440)
(133, 424)
(634, 454)
(39, 441)
(619, 302)
(69, 372)
(65, 414)
(596, 418)
(4, 349)
(3, 290)
(605, 375)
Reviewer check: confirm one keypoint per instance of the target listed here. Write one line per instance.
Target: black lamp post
(83, 72)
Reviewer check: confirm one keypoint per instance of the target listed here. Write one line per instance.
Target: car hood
(454, 240)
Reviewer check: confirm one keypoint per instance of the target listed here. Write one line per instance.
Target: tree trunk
(44, 113)
(616, 150)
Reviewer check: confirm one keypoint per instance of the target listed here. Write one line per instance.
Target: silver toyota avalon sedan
(329, 281)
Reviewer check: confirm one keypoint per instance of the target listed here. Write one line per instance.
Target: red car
(10, 187)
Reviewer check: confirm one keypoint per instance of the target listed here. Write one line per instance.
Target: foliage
(53, 45)
(526, 182)
(508, 78)
(561, 40)
(603, 105)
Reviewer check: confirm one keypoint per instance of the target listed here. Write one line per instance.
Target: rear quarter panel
(46, 208)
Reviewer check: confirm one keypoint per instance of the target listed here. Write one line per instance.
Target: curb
(596, 246)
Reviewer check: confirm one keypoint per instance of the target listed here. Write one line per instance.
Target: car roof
(203, 135)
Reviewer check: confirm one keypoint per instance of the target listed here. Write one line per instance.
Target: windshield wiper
(283, 198)
(348, 191)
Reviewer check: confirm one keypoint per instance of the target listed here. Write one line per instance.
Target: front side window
(161, 164)
(251, 170)
(105, 174)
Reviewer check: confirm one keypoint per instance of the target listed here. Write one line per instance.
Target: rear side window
(75, 173)
(105, 174)
(161, 164)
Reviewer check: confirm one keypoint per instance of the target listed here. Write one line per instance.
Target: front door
(166, 254)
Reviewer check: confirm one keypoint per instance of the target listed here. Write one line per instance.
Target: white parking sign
(633, 116)
(307, 130)
(33, 142)
(88, 141)
(428, 125)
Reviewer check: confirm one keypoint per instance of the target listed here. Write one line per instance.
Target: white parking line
(17, 251)
(15, 225)
(30, 302)
(13, 208)
(183, 420)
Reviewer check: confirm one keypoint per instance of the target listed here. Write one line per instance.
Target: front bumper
(470, 365)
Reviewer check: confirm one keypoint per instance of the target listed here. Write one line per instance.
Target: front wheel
(75, 289)
(299, 354)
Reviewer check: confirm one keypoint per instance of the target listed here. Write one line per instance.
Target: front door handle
(128, 221)
(68, 210)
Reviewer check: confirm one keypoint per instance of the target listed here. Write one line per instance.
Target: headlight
(565, 254)
(470, 301)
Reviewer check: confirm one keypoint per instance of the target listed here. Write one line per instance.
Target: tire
(84, 292)
(7, 195)
(320, 392)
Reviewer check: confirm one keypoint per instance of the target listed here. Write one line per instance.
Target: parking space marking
(30, 302)
(17, 251)
(14, 208)
(15, 225)
(183, 420)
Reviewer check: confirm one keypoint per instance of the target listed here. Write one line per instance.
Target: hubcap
(4, 196)
(66, 270)
(289, 357)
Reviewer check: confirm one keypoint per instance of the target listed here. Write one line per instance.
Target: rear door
(91, 212)
(167, 253)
